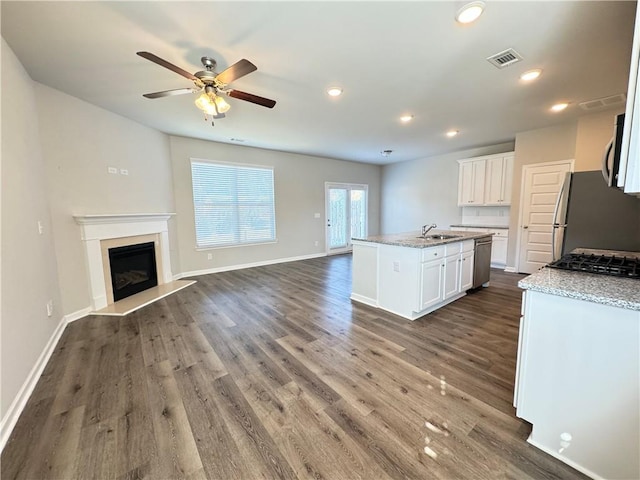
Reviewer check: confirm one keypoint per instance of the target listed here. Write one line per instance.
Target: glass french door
(346, 215)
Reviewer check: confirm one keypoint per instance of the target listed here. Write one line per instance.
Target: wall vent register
(618, 266)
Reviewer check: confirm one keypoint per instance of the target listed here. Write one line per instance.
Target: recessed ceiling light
(470, 12)
(452, 133)
(406, 118)
(334, 91)
(531, 75)
(558, 107)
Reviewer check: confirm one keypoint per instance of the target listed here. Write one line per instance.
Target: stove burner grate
(627, 267)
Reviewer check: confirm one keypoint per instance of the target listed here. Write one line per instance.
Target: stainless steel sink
(439, 237)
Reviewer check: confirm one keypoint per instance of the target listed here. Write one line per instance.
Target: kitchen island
(410, 275)
(578, 370)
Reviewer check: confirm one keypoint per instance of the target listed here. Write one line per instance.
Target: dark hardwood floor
(272, 372)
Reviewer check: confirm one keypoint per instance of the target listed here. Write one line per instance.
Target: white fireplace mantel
(95, 228)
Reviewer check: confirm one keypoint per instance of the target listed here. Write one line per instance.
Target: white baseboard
(247, 265)
(564, 459)
(366, 300)
(510, 270)
(72, 317)
(15, 409)
(20, 401)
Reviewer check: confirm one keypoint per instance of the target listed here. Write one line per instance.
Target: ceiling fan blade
(169, 93)
(163, 63)
(235, 71)
(249, 97)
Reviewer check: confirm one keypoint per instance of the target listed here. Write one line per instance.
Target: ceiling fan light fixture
(222, 104)
(204, 103)
(470, 12)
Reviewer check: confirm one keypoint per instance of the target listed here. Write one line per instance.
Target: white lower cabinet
(499, 243)
(466, 271)
(499, 247)
(411, 282)
(578, 383)
(451, 281)
(431, 284)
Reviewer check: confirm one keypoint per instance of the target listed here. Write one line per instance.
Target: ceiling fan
(211, 84)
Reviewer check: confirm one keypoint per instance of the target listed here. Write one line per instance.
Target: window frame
(238, 166)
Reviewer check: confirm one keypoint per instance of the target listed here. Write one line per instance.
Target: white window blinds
(234, 205)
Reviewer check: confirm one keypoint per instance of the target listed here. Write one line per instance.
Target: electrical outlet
(316, 243)
(124, 171)
(396, 266)
(49, 308)
(316, 215)
(112, 170)
(209, 256)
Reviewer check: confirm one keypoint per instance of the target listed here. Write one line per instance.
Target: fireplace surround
(99, 233)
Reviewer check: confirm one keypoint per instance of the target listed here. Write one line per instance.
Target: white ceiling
(389, 57)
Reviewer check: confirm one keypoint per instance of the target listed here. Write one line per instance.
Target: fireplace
(104, 232)
(133, 269)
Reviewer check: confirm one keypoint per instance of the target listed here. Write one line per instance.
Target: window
(234, 204)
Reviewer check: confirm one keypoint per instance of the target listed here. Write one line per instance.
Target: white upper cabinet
(485, 181)
(471, 183)
(498, 180)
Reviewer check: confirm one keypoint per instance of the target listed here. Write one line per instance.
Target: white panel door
(541, 186)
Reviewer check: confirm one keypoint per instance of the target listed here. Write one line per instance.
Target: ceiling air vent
(504, 59)
(602, 103)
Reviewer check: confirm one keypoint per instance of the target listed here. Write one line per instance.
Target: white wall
(299, 191)
(79, 142)
(583, 140)
(425, 191)
(29, 276)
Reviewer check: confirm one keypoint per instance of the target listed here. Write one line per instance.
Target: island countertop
(414, 240)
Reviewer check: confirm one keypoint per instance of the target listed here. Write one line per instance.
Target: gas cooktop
(618, 266)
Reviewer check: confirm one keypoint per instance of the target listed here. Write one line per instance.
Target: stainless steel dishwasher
(482, 261)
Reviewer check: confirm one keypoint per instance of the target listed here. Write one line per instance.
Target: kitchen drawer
(468, 245)
(452, 249)
(433, 253)
(499, 232)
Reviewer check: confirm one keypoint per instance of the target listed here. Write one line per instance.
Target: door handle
(525, 227)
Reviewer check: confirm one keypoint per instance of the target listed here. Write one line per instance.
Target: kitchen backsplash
(485, 216)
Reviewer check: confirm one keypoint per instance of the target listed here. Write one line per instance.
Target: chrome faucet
(426, 228)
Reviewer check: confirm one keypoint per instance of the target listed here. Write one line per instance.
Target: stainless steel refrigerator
(590, 214)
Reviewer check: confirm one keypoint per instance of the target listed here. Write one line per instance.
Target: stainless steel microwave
(611, 158)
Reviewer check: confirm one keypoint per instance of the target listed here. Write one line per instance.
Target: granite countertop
(603, 289)
(467, 225)
(412, 240)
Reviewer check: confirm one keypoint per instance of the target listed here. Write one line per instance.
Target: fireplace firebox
(133, 269)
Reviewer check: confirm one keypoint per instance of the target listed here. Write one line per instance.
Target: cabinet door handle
(525, 227)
